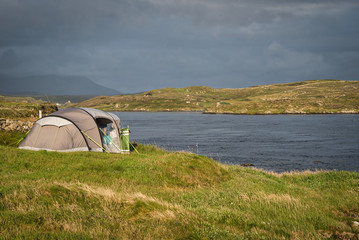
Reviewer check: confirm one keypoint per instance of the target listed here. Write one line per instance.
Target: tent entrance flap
(108, 140)
(109, 135)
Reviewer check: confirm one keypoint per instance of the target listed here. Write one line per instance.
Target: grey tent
(75, 129)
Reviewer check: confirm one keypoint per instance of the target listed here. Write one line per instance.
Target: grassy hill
(316, 96)
(166, 195)
(23, 107)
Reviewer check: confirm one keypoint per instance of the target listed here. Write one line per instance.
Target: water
(271, 142)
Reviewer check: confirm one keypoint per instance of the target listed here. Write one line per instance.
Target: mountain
(307, 97)
(52, 85)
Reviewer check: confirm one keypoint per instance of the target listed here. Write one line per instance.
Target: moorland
(307, 97)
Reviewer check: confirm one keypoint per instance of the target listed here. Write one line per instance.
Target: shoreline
(233, 113)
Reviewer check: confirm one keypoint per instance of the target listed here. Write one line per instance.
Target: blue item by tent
(106, 139)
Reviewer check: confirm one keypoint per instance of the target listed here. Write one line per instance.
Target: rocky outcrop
(15, 125)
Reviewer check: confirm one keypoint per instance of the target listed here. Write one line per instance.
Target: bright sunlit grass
(167, 195)
(307, 97)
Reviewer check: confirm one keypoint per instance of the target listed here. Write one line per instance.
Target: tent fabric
(85, 122)
(55, 121)
(110, 133)
(73, 129)
(53, 138)
(117, 120)
(98, 113)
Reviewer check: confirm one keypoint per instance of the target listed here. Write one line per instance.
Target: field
(158, 194)
(23, 107)
(308, 97)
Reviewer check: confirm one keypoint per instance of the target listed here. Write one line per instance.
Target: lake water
(271, 142)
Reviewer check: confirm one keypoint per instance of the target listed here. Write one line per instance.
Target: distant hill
(62, 99)
(52, 85)
(307, 97)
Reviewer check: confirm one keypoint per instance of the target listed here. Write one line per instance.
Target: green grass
(307, 97)
(11, 138)
(166, 195)
(23, 107)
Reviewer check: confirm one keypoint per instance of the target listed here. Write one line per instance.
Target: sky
(139, 45)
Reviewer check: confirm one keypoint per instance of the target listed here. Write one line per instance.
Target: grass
(24, 107)
(166, 195)
(307, 97)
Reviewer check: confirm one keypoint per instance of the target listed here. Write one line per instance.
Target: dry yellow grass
(315, 96)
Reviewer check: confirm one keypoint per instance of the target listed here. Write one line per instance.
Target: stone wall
(15, 125)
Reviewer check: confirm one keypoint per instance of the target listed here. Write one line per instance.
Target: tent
(75, 129)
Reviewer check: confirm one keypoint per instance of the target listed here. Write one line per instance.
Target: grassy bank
(308, 97)
(168, 195)
(24, 107)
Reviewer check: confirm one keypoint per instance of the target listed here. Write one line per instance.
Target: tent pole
(94, 141)
(134, 148)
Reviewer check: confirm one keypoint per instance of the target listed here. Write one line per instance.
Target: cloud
(134, 45)
(39, 22)
(9, 59)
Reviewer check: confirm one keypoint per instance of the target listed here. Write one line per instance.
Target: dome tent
(75, 129)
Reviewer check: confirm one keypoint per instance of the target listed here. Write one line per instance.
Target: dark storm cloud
(134, 45)
(46, 20)
(9, 59)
